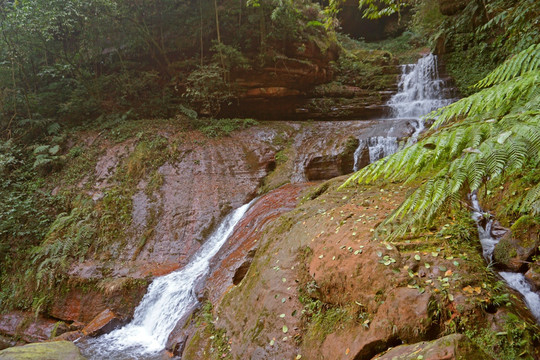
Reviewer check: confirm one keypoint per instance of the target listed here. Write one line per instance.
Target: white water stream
(168, 298)
(515, 280)
(420, 91)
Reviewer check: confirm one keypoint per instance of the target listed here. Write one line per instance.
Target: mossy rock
(518, 245)
(455, 346)
(64, 350)
(533, 274)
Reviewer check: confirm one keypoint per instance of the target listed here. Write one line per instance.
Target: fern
(474, 141)
(525, 61)
(495, 101)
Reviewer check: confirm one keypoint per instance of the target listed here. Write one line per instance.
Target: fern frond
(525, 61)
(498, 100)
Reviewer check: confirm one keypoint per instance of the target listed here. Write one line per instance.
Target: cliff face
(308, 82)
(150, 195)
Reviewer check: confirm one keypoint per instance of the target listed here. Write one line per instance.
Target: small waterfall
(516, 281)
(377, 147)
(420, 91)
(168, 299)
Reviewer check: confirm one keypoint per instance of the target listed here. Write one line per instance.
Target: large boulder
(57, 350)
(451, 347)
(516, 248)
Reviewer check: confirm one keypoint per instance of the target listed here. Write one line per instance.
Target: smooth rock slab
(105, 322)
(58, 350)
(451, 347)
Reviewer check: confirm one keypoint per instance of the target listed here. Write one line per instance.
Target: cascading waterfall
(515, 280)
(168, 299)
(420, 91)
(378, 147)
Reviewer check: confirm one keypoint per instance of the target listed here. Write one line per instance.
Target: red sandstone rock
(271, 92)
(533, 275)
(69, 336)
(105, 322)
(29, 328)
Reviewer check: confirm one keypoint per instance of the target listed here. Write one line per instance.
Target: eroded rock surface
(324, 284)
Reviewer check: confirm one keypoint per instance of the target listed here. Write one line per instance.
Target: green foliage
(68, 63)
(426, 18)
(473, 142)
(519, 65)
(222, 127)
(376, 9)
(514, 23)
(485, 33)
(207, 90)
(513, 342)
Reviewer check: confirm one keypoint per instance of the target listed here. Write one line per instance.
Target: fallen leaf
(285, 329)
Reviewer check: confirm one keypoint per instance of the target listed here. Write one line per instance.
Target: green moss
(48, 350)
(515, 341)
(214, 341)
(315, 192)
(213, 128)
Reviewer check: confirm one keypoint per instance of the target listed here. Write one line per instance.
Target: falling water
(377, 146)
(420, 91)
(515, 280)
(168, 299)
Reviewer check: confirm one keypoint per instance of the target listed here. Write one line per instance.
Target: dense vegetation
(71, 62)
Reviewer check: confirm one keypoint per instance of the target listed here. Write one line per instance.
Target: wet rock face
(451, 347)
(233, 261)
(121, 294)
(198, 185)
(105, 322)
(516, 247)
(336, 163)
(64, 350)
(26, 327)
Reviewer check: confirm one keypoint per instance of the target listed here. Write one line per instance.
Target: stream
(420, 91)
(168, 298)
(489, 240)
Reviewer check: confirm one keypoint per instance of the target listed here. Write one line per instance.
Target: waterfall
(168, 299)
(515, 280)
(420, 91)
(377, 148)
